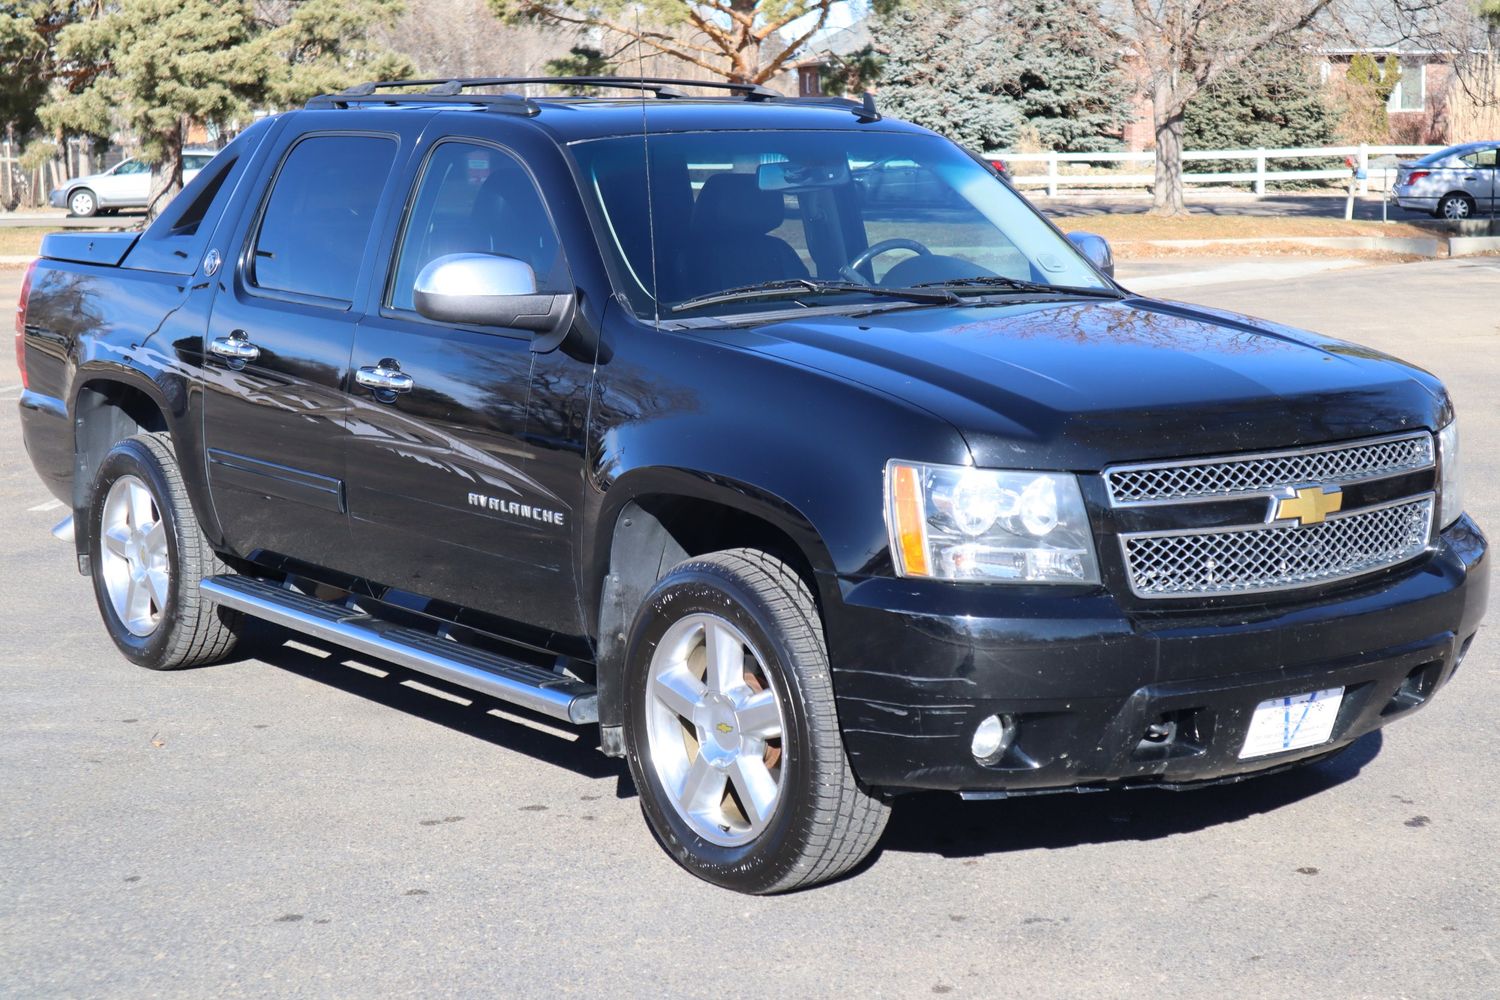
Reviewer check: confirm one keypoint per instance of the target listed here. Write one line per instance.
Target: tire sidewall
(132, 458)
(93, 203)
(694, 588)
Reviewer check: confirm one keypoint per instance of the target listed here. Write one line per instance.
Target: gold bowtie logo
(724, 728)
(1308, 505)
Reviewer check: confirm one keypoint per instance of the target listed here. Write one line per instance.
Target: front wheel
(83, 203)
(732, 731)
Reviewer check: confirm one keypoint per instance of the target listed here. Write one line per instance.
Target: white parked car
(1454, 183)
(127, 184)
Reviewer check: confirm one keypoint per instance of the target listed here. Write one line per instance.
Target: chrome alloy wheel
(714, 724)
(133, 550)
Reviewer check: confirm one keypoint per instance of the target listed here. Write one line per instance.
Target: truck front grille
(1250, 475)
(1277, 556)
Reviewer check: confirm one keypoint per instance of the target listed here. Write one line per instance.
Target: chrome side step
(519, 683)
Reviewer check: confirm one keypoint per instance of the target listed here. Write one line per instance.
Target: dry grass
(1125, 228)
(21, 242)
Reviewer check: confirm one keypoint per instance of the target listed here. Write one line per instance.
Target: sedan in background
(1459, 182)
(127, 184)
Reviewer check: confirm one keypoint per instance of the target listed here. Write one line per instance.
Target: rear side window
(312, 234)
(476, 199)
(1480, 158)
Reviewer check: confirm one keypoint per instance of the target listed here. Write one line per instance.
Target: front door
(446, 496)
(277, 352)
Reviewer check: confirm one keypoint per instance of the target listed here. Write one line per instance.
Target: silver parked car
(127, 184)
(1459, 182)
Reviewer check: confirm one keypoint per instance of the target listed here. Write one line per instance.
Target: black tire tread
(203, 632)
(847, 821)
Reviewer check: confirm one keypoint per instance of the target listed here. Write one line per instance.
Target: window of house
(312, 234)
(1410, 93)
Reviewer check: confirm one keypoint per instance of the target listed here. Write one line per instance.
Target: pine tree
(980, 72)
(946, 68)
(1270, 101)
(1070, 85)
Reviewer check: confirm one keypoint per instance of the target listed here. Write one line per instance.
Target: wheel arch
(654, 519)
(108, 406)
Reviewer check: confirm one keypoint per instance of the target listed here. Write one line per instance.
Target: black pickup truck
(785, 442)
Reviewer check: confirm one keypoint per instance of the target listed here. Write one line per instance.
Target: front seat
(732, 221)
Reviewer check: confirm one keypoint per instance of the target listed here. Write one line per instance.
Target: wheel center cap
(719, 736)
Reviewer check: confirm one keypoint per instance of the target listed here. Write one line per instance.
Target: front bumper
(917, 667)
(58, 199)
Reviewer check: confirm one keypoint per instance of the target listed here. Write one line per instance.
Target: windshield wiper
(793, 287)
(1019, 285)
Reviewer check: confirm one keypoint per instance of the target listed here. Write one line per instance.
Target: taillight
(1416, 175)
(21, 324)
(998, 165)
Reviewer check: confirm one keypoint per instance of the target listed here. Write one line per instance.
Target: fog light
(992, 738)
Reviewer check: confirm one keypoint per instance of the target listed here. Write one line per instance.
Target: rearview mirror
(787, 176)
(1096, 249)
(478, 289)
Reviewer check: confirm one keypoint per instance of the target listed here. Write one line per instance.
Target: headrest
(734, 204)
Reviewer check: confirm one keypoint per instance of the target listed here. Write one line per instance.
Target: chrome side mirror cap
(1096, 249)
(478, 289)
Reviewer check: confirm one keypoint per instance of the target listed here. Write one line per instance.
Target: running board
(537, 688)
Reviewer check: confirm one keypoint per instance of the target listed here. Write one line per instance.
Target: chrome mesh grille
(1277, 557)
(1223, 478)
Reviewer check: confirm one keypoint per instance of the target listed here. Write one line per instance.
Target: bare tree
(1185, 45)
(750, 41)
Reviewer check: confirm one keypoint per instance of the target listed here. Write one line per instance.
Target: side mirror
(1096, 249)
(477, 289)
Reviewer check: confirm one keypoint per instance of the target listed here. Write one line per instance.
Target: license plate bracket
(1292, 722)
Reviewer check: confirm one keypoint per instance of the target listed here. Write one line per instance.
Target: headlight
(1450, 481)
(955, 523)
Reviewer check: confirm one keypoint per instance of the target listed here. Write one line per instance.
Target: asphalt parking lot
(309, 824)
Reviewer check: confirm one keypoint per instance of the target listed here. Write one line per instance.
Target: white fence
(1057, 178)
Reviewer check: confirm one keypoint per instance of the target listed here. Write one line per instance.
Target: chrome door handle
(235, 347)
(384, 377)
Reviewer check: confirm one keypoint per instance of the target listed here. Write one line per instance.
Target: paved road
(305, 824)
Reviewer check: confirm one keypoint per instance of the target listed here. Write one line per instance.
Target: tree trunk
(166, 178)
(1167, 116)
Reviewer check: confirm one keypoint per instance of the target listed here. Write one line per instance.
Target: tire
(83, 203)
(157, 618)
(1457, 206)
(820, 823)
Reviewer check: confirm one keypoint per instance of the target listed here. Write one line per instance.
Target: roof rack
(452, 91)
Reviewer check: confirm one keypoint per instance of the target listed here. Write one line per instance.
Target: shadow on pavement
(549, 746)
(937, 823)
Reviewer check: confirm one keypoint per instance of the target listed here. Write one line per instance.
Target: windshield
(823, 212)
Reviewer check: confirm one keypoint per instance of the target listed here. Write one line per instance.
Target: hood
(1079, 385)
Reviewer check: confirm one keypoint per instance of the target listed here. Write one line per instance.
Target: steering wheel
(851, 270)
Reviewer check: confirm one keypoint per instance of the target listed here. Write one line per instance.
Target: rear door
(1480, 177)
(277, 350)
(450, 495)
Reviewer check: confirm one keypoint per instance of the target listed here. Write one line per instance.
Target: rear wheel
(147, 555)
(1457, 206)
(732, 730)
(83, 203)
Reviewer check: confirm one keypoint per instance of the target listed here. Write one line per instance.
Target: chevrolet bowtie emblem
(1308, 505)
(724, 728)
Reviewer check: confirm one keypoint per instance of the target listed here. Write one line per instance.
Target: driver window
(476, 199)
(132, 167)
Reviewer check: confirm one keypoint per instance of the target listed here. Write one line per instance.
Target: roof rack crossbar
(452, 91)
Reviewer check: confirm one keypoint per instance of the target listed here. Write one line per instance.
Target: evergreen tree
(946, 68)
(154, 67)
(1069, 84)
(979, 72)
(24, 54)
(1269, 101)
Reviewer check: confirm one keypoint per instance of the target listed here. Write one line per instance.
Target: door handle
(386, 377)
(235, 347)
